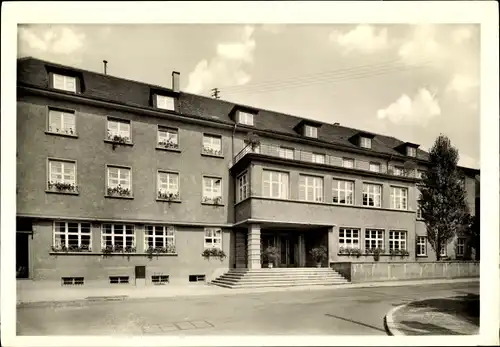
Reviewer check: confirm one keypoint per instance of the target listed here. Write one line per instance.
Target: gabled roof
(33, 72)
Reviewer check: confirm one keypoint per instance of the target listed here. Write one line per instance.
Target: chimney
(175, 81)
(336, 123)
(105, 65)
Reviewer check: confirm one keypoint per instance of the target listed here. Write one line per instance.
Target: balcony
(286, 153)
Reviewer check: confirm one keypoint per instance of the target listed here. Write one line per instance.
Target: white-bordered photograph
(280, 173)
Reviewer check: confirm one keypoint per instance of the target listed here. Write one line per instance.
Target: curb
(390, 324)
(227, 291)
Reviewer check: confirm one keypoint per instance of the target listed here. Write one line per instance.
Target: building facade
(124, 182)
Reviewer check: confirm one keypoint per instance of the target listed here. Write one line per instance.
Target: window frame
(375, 165)
(169, 130)
(373, 195)
(49, 182)
(62, 111)
(242, 188)
(285, 151)
(66, 233)
(343, 238)
(379, 241)
(210, 150)
(114, 236)
(348, 160)
(157, 98)
(395, 197)
(120, 167)
(312, 133)
(165, 237)
(337, 190)
(213, 236)
(177, 194)
(365, 142)
(399, 240)
(411, 151)
(315, 157)
(110, 135)
(460, 254)
(54, 75)
(279, 182)
(246, 116)
(211, 198)
(421, 245)
(314, 187)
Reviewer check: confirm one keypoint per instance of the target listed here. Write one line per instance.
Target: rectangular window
(411, 151)
(460, 246)
(245, 118)
(159, 279)
(118, 279)
(374, 167)
(119, 129)
(168, 138)
(196, 278)
(421, 246)
(118, 237)
(310, 131)
(372, 195)
(318, 158)
(165, 102)
(348, 163)
(286, 153)
(242, 191)
(419, 210)
(62, 122)
(397, 171)
(343, 192)
(397, 240)
(72, 281)
(67, 83)
(213, 238)
(366, 142)
(310, 188)
(399, 198)
(168, 185)
(72, 236)
(212, 190)
(348, 238)
(62, 175)
(119, 181)
(374, 239)
(275, 184)
(160, 238)
(212, 144)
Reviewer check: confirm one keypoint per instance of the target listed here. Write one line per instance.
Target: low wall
(374, 271)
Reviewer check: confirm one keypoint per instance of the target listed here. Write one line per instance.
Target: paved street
(353, 311)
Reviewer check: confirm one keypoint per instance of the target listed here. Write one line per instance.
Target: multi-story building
(109, 169)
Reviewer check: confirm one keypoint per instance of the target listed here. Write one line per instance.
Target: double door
(287, 245)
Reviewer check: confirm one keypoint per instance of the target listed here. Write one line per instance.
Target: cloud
(422, 43)
(364, 39)
(57, 40)
(226, 68)
(417, 111)
(461, 84)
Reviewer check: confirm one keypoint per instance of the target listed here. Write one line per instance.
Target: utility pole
(215, 93)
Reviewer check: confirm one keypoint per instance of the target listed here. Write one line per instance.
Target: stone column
(331, 245)
(240, 249)
(254, 247)
(302, 250)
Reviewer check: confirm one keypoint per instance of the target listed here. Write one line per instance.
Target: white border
(484, 12)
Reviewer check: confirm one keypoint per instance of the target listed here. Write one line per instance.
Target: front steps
(278, 277)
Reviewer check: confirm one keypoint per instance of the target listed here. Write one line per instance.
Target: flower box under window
(213, 201)
(119, 191)
(168, 196)
(168, 144)
(212, 151)
(65, 249)
(62, 187)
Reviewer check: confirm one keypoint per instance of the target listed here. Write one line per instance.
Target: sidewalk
(46, 295)
(455, 315)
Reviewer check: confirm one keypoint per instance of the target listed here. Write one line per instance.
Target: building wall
(95, 267)
(92, 155)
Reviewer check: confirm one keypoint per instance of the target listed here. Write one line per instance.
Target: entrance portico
(293, 241)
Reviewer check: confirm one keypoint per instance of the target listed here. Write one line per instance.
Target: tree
(442, 200)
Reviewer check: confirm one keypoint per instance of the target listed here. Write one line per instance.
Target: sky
(413, 82)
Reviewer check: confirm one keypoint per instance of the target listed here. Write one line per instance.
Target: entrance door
(288, 244)
(22, 255)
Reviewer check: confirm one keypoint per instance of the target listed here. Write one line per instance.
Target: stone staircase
(278, 277)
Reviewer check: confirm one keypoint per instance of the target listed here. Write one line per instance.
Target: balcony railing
(288, 153)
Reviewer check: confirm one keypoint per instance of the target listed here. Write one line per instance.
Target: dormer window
(310, 131)
(63, 82)
(165, 102)
(245, 118)
(365, 142)
(411, 151)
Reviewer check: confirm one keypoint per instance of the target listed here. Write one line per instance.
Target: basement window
(159, 279)
(118, 279)
(196, 278)
(72, 281)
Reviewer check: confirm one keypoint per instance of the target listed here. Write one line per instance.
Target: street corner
(454, 315)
